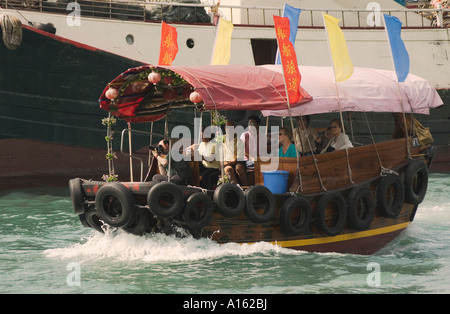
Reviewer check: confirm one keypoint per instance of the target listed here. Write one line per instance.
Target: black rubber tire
(416, 182)
(93, 220)
(339, 210)
(115, 205)
(390, 195)
(295, 225)
(165, 200)
(142, 224)
(76, 193)
(198, 211)
(256, 196)
(83, 221)
(230, 199)
(361, 208)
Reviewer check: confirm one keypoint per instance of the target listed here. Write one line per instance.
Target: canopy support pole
(349, 117)
(170, 160)
(110, 153)
(312, 153)
(150, 144)
(150, 155)
(131, 152)
(408, 144)
(349, 169)
(298, 174)
(166, 125)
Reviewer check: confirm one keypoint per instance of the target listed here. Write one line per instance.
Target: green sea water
(44, 249)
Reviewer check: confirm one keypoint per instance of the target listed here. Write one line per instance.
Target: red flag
(169, 46)
(288, 59)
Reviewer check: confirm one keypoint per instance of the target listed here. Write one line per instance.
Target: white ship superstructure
(133, 35)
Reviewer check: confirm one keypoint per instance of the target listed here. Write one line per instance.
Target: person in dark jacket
(180, 173)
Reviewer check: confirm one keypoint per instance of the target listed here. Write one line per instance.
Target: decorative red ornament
(111, 93)
(170, 94)
(154, 77)
(195, 97)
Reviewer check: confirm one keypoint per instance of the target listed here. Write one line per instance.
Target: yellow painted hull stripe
(342, 237)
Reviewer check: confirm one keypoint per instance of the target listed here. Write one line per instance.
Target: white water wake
(121, 246)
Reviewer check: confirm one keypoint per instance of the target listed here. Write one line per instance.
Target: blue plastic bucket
(276, 181)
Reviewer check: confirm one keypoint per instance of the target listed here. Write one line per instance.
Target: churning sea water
(44, 249)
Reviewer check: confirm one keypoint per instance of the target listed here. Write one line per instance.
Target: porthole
(129, 39)
(190, 43)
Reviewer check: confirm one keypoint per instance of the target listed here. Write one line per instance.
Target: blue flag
(399, 53)
(292, 14)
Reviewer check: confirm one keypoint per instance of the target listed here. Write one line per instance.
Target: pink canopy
(228, 87)
(367, 90)
(238, 87)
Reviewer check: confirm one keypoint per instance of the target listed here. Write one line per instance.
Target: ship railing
(238, 15)
(129, 153)
(350, 18)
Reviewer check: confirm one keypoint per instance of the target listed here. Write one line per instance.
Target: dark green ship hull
(49, 90)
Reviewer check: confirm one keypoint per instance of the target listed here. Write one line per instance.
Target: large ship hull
(49, 89)
(40, 103)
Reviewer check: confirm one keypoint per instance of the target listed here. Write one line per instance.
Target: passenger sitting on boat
(234, 162)
(250, 138)
(287, 148)
(161, 148)
(339, 140)
(209, 168)
(180, 173)
(326, 137)
(305, 136)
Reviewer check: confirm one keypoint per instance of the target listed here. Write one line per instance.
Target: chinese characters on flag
(288, 59)
(169, 46)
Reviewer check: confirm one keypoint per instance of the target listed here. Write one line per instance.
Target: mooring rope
(12, 31)
(383, 171)
(311, 150)
(349, 169)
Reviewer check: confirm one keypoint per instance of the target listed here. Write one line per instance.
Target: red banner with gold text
(169, 46)
(291, 72)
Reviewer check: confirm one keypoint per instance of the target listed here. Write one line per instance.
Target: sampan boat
(353, 200)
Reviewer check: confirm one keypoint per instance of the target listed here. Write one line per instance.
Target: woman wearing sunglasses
(339, 140)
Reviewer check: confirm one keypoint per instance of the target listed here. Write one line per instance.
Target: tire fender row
(115, 204)
(358, 209)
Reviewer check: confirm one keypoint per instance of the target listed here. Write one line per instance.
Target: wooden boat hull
(365, 242)
(381, 231)
(329, 227)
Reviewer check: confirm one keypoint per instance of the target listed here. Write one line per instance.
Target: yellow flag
(222, 47)
(343, 66)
